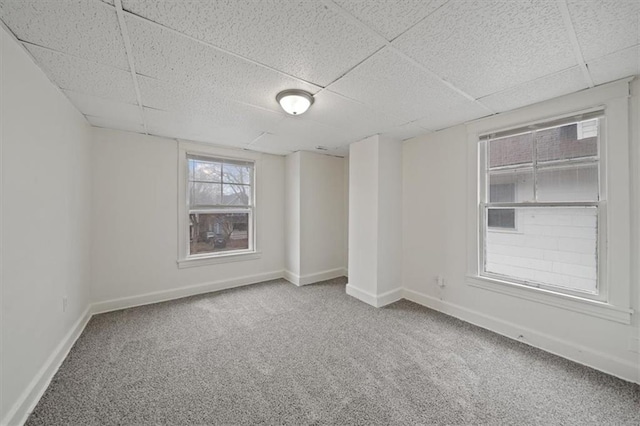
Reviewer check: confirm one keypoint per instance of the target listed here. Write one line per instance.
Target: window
(546, 179)
(217, 213)
(220, 204)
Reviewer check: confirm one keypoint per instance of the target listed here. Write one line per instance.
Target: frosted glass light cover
(294, 102)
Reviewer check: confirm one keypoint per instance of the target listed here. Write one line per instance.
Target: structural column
(375, 220)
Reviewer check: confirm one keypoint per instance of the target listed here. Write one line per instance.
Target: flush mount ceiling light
(294, 101)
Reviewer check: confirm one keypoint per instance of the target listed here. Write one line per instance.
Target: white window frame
(185, 260)
(614, 278)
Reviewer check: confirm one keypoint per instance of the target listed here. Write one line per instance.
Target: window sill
(218, 259)
(564, 301)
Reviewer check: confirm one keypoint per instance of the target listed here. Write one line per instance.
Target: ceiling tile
(219, 111)
(354, 118)
(308, 133)
(605, 26)
(406, 131)
(197, 128)
(390, 18)
(484, 46)
(297, 133)
(548, 87)
(194, 67)
(87, 29)
(104, 108)
(115, 124)
(617, 65)
(392, 85)
(281, 145)
(91, 78)
(272, 144)
(302, 38)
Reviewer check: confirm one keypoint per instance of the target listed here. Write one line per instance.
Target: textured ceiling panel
(297, 133)
(548, 87)
(507, 53)
(88, 29)
(605, 26)
(301, 38)
(194, 67)
(90, 78)
(114, 124)
(105, 108)
(309, 133)
(197, 128)
(615, 66)
(484, 46)
(388, 18)
(274, 144)
(390, 84)
(356, 119)
(406, 131)
(220, 112)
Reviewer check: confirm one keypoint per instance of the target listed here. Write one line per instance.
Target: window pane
(205, 194)
(204, 171)
(578, 182)
(553, 246)
(511, 186)
(234, 173)
(501, 218)
(236, 195)
(218, 232)
(575, 140)
(511, 150)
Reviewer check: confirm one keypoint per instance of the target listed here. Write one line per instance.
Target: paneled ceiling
(210, 70)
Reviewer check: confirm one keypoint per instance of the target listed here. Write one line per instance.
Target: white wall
(45, 227)
(292, 215)
(363, 215)
(435, 209)
(135, 243)
(315, 222)
(389, 216)
(322, 215)
(375, 220)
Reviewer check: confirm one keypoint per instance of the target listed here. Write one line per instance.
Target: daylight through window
(541, 184)
(220, 205)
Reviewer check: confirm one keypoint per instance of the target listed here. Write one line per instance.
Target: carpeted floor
(274, 353)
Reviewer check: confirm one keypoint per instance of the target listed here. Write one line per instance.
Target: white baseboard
(301, 280)
(373, 300)
(27, 401)
(179, 292)
(389, 297)
(609, 364)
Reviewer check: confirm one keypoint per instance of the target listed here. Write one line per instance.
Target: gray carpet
(274, 353)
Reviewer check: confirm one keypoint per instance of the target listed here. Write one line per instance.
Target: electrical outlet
(634, 344)
(65, 302)
(440, 281)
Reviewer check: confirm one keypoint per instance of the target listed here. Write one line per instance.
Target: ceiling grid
(132, 67)
(210, 71)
